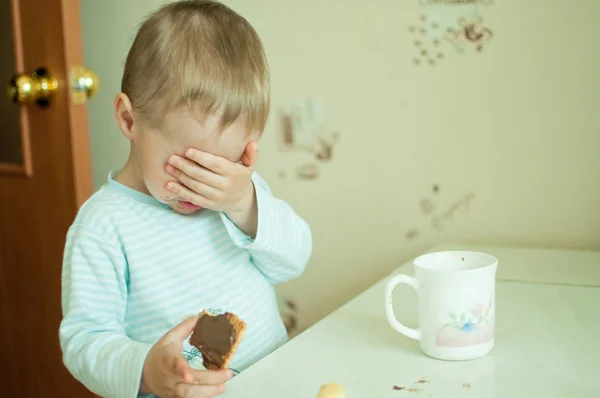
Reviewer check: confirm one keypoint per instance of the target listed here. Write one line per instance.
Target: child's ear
(124, 114)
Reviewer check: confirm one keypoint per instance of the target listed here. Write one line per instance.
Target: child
(185, 225)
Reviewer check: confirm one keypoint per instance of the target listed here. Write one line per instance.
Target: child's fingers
(210, 377)
(181, 332)
(199, 187)
(217, 164)
(178, 166)
(188, 195)
(183, 370)
(189, 375)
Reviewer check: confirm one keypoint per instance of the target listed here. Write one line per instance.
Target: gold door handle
(39, 88)
(84, 84)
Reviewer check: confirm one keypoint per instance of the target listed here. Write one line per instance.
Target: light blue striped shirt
(133, 269)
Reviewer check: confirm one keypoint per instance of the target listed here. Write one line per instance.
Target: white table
(547, 340)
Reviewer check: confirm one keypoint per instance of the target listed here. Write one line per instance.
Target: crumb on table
(332, 390)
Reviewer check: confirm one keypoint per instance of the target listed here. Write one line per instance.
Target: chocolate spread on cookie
(213, 337)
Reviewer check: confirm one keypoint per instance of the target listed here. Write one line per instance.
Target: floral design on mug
(475, 326)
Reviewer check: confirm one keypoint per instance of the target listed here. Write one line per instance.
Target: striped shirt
(133, 269)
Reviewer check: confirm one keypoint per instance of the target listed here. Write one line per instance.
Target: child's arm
(283, 242)
(95, 347)
(94, 299)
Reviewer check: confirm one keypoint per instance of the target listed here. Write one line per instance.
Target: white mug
(456, 299)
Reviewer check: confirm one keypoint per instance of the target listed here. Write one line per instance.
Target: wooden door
(45, 175)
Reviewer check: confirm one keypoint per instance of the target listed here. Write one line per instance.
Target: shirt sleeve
(283, 242)
(95, 348)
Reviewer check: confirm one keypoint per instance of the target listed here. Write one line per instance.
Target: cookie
(217, 337)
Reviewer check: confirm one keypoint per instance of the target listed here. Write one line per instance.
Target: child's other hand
(217, 184)
(168, 374)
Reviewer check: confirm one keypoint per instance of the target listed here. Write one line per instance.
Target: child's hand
(168, 374)
(217, 184)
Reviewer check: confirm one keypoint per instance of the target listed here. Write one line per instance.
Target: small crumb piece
(467, 385)
(396, 388)
(332, 390)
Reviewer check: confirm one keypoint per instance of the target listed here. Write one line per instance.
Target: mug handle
(389, 310)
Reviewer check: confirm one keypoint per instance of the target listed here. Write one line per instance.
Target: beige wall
(514, 129)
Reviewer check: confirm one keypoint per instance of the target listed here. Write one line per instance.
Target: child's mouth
(189, 206)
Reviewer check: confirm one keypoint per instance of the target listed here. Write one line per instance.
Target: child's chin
(185, 210)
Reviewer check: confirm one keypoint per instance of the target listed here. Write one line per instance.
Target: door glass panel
(11, 150)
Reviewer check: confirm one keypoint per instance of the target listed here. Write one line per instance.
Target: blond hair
(198, 52)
